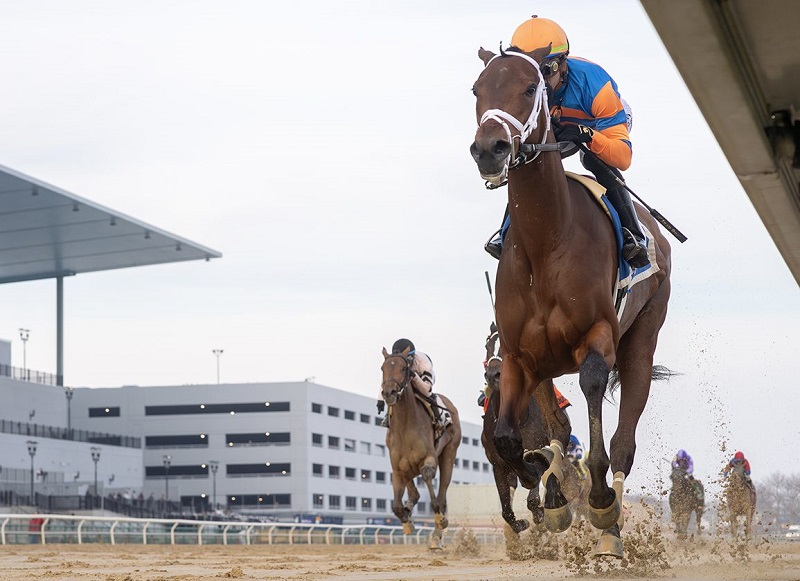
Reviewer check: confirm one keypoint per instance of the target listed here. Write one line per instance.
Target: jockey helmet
(738, 456)
(682, 455)
(539, 32)
(401, 345)
(574, 441)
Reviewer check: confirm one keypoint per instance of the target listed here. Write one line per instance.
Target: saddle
(439, 427)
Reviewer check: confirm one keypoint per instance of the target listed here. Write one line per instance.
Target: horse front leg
(513, 403)
(401, 511)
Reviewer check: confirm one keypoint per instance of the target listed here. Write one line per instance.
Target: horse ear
(406, 351)
(385, 353)
(540, 53)
(485, 55)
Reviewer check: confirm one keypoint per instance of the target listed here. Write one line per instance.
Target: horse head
(396, 371)
(511, 109)
(493, 360)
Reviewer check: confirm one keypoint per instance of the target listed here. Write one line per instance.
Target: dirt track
(708, 559)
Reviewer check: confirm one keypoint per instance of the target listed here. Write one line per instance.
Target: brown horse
(534, 436)
(740, 497)
(555, 293)
(686, 496)
(414, 449)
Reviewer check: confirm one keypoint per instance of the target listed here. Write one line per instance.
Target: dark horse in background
(415, 448)
(740, 497)
(555, 302)
(532, 431)
(686, 496)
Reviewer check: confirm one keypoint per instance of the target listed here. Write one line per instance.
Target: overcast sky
(322, 147)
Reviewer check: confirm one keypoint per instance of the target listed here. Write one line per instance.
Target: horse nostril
(501, 148)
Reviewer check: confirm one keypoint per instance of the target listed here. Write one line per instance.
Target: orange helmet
(538, 32)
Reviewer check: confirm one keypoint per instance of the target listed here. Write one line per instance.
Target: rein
(503, 118)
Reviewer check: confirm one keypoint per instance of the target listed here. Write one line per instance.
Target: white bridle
(524, 130)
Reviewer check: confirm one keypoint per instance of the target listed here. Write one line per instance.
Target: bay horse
(532, 432)
(414, 449)
(555, 287)
(686, 496)
(741, 500)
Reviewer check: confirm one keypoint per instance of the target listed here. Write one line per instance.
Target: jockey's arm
(611, 141)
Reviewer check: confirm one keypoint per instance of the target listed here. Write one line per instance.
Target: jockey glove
(575, 133)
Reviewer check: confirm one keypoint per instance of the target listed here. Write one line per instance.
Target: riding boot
(634, 247)
(495, 244)
(385, 421)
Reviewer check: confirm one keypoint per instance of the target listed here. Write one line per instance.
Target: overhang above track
(741, 62)
(46, 232)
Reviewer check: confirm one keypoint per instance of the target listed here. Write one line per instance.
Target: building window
(366, 448)
(350, 502)
(380, 504)
(455, 463)
(332, 411)
(366, 504)
(349, 445)
(476, 465)
(364, 418)
(316, 469)
(333, 442)
(262, 468)
(380, 477)
(104, 412)
(464, 440)
(378, 421)
(366, 475)
(316, 439)
(334, 472)
(474, 441)
(421, 507)
(259, 439)
(334, 502)
(380, 450)
(319, 501)
(350, 473)
(178, 441)
(316, 408)
(485, 466)
(260, 500)
(189, 470)
(216, 408)
(348, 415)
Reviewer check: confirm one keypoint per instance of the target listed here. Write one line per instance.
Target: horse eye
(531, 90)
(474, 92)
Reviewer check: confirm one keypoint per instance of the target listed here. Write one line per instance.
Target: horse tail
(658, 373)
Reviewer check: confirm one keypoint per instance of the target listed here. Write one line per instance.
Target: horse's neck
(539, 197)
(407, 408)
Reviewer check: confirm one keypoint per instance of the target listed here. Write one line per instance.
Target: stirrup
(634, 250)
(494, 246)
(385, 421)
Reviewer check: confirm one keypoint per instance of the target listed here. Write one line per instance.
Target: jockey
(574, 454)
(588, 109)
(684, 462)
(739, 460)
(422, 379)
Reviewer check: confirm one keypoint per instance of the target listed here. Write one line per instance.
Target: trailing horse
(533, 435)
(740, 497)
(686, 496)
(556, 285)
(414, 447)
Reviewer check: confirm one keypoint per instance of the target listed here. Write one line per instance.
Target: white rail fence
(22, 529)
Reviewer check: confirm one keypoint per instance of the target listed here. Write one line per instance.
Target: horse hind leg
(557, 512)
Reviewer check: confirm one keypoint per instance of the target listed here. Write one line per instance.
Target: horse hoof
(520, 525)
(539, 459)
(538, 515)
(604, 518)
(608, 545)
(408, 528)
(557, 520)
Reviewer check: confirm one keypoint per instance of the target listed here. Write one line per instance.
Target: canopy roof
(740, 60)
(46, 232)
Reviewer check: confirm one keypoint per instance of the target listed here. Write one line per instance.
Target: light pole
(32, 451)
(95, 458)
(69, 392)
(167, 459)
(217, 352)
(24, 334)
(214, 465)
